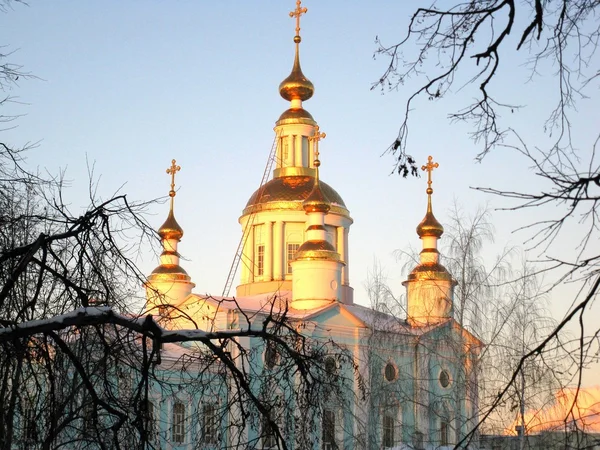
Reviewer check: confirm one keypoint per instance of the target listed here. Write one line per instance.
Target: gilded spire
(429, 226)
(317, 201)
(171, 229)
(296, 86)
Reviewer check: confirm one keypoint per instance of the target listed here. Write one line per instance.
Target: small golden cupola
(430, 287)
(169, 283)
(296, 88)
(317, 266)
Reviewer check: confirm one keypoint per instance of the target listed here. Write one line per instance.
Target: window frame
(212, 437)
(260, 260)
(268, 436)
(271, 356)
(290, 255)
(388, 438)
(444, 432)
(329, 432)
(393, 367)
(30, 428)
(447, 377)
(182, 433)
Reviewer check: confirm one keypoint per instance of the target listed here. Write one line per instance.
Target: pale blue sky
(129, 85)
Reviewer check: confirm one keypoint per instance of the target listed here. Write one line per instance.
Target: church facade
(401, 382)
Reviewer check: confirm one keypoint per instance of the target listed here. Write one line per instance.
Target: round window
(390, 372)
(444, 378)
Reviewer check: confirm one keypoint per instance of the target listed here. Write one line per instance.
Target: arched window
(178, 423)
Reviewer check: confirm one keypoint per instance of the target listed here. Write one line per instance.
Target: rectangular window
(388, 431)
(268, 434)
(328, 430)
(178, 426)
(418, 441)
(29, 425)
(291, 254)
(260, 260)
(150, 422)
(209, 424)
(88, 412)
(444, 433)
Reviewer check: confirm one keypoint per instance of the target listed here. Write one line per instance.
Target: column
(343, 251)
(278, 254)
(279, 153)
(268, 276)
(290, 154)
(249, 262)
(298, 150)
(346, 271)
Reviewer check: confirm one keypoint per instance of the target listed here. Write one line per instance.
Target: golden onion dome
(296, 86)
(316, 201)
(289, 193)
(170, 229)
(169, 271)
(317, 249)
(296, 115)
(432, 271)
(430, 226)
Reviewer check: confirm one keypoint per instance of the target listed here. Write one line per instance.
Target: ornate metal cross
(429, 168)
(316, 138)
(297, 13)
(172, 171)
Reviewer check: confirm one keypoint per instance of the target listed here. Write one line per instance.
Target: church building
(410, 382)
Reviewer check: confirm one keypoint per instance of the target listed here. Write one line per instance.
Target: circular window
(390, 372)
(444, 378)
(330, 365)
(270, 356)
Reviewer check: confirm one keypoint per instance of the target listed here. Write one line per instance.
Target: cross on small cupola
(429, 168)
(172, 171)
(429, 226)
(315, 139)
(171, 229)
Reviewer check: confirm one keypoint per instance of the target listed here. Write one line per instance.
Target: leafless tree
(462, 44)
(79, 365)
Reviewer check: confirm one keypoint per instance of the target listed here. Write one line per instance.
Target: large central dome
(288, 193)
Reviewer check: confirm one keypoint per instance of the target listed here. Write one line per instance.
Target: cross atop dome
(429, 168)
(296, 87)
(171, 229)
(429, 226)
(172, 171)
(297, 13)
(315, 139)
